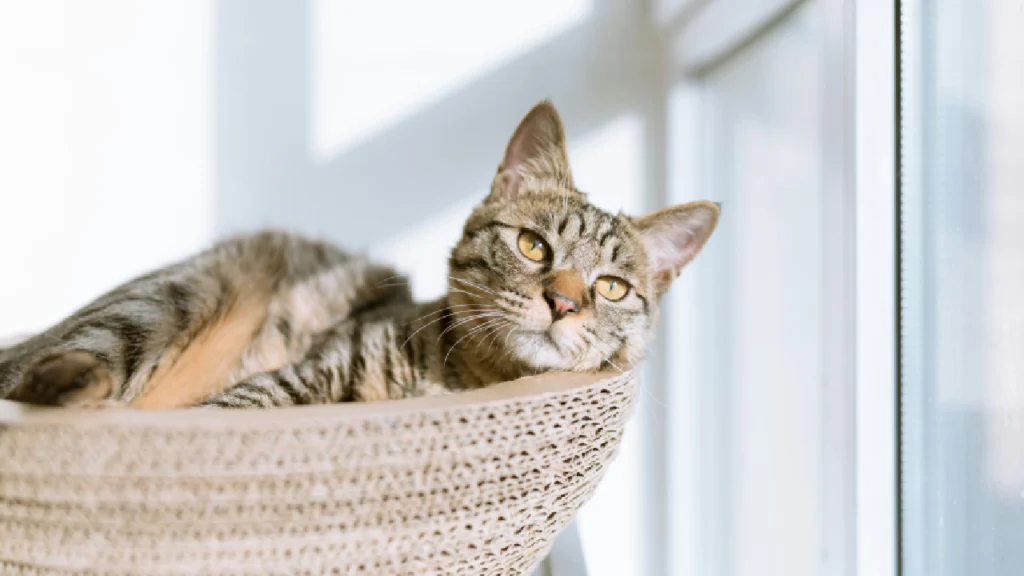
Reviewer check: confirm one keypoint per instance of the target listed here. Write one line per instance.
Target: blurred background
(838, 385)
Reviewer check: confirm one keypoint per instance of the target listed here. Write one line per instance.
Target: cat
(540, 281)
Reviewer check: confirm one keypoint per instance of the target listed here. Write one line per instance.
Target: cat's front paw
(76, 378)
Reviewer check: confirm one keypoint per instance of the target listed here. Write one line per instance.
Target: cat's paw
(74, 378)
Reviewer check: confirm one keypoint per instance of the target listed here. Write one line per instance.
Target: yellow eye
(532, 246)
(612, 288)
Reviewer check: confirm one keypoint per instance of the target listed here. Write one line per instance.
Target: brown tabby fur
(274, 319)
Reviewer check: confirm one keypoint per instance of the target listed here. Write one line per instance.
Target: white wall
(106, 165)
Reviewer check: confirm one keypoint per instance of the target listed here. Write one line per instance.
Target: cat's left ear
(673, 236)
(537, 151)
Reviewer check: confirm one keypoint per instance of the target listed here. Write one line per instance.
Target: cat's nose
(561, 305)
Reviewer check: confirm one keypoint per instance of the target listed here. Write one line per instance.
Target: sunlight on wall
(106, 111)
(372, 69)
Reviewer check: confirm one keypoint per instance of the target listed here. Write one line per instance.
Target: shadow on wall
(606, 65)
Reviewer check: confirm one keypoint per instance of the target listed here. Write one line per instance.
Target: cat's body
(247, 307)
(540, 280)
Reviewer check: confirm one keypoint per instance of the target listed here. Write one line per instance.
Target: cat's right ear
(535, 153)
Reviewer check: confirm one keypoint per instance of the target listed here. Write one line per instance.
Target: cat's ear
(536, 152)
(673, 236)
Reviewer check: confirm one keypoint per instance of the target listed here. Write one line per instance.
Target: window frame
(860, 394)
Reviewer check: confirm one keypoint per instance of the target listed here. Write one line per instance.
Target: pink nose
(561, 306)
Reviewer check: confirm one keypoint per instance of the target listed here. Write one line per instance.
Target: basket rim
(526, 388)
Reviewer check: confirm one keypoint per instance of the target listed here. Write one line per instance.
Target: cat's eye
(533, 246)
(612, 288)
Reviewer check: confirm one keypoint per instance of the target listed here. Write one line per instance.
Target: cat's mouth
(561, 338)
(550, 348)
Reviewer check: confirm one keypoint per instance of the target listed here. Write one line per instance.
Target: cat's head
(543, 280)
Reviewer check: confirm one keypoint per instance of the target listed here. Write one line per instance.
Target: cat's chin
(543, 350)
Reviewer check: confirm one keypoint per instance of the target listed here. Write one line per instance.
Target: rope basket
(472, 483)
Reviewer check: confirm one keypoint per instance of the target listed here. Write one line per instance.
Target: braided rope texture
(479, 487)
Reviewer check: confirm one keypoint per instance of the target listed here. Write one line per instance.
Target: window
(963, 276)
(761, 440)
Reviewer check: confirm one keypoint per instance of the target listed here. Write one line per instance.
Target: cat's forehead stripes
(580, 234)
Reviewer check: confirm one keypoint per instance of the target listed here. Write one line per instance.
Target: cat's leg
(92, 358)
(324, 375)
(295, 384)
(65, 378)
(332, 363)
(343, 365)
(355, 361)
(171, 337)
(105, 352)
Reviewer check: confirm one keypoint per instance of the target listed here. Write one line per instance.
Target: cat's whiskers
(494, 332)
(406, 282)
(448, 309)
(508, 349)
(462, 321)
(608, 360)
(474, 285)
(468, 334)
(484, 325)
(460, 291)
(450, 313)
(402, 280)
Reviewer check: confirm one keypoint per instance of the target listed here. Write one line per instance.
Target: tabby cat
(541, 280)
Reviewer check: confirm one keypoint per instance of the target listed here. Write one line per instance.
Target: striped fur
(275, 319)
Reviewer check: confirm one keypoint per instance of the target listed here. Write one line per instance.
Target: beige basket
(474, 483)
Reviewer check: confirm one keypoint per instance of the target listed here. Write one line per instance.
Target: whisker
(507, 337)
(654, 411)
(451, 307)
(613, 365)
(508, 349)
(487, 324)
(494, 331)
(464, 336)
(452, 289)
(418, 330)
(608, 360)
(475, 285)
(404, 280)
(462, 321)
(485, 329)
(450, 314)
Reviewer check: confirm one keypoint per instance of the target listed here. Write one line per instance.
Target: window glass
(745, 367)
(962, 267)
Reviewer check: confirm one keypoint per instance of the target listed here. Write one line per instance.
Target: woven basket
(473, 483)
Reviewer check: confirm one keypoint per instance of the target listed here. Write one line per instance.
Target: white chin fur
(555, 352)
